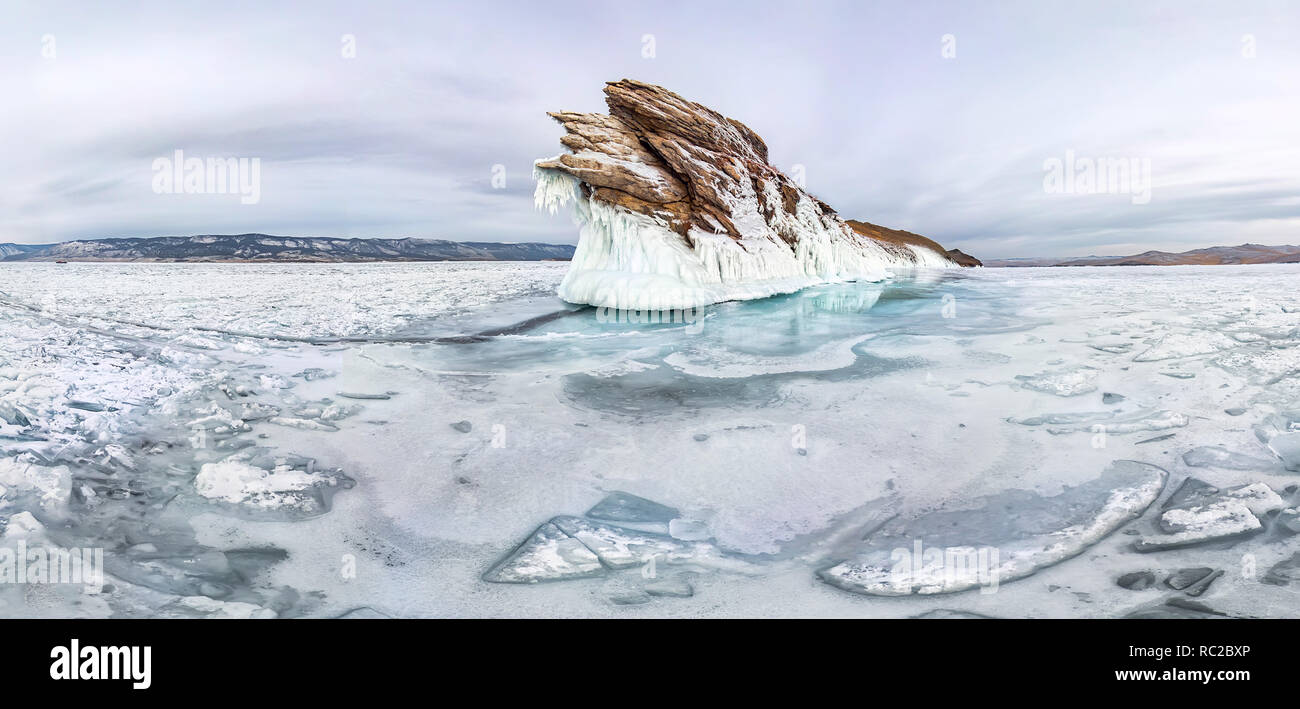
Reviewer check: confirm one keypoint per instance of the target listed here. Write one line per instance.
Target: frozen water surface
(452, 440)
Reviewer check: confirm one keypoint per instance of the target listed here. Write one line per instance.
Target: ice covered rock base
(678, 207)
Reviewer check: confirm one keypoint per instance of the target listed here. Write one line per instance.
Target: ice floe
(574, 547)
(1068, 381)
(547, 555)
(1287, 447)
(760, 450)
(1199, 513)
(982, 546)
(235, 480)
(1220, 457)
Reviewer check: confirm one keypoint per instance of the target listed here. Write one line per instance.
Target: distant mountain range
(263, 247)
(1213, 256)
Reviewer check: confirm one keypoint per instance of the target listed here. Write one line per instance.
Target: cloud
(404, 139)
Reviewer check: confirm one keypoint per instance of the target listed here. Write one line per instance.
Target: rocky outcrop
(680, 207)
(963, 259)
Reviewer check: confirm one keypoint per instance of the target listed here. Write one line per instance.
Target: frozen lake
(310, 440)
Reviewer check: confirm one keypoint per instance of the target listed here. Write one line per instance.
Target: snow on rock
(678, 207)
(982, 546)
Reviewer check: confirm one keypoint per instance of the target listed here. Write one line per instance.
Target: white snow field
(451, 439)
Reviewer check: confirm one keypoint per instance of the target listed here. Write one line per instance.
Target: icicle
(554, 188)
(631, 261)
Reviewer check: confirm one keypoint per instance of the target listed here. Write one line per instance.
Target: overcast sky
(402, 139)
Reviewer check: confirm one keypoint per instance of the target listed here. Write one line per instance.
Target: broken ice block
(624, 507)
(1203, 514)
(1287, 447)
(1220, 457)
(1070, 381)
(548, 555)
(955, 550)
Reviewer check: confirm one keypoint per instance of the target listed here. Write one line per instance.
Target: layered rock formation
(679, 207)
(964, 259)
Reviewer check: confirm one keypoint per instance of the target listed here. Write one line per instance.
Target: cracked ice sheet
(653, 452)
(452, 503)
(277, 299)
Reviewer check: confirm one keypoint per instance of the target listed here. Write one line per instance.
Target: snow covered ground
(322, 440)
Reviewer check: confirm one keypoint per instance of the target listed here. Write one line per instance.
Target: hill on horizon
(268, 248)
(1211, 256)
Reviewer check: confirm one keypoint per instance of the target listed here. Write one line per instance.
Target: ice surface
(1220, 457)
(624, 507)
(767, 426)
(1284, 572)
(675, 586)
(1178, 345)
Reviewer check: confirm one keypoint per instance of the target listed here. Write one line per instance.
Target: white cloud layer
(402, 139)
